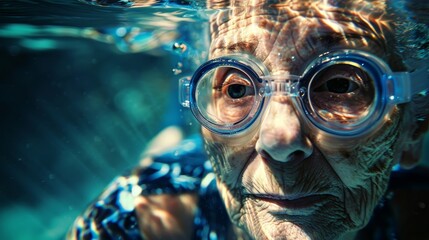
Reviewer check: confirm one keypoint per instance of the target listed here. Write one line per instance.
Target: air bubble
(179, 47)
(178, 69)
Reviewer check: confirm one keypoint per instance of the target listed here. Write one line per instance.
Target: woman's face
(284, 181)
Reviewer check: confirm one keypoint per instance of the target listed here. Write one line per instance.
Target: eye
(340, 79)
(236, 90)
(342, 93)
(237, 85)
(338, 85)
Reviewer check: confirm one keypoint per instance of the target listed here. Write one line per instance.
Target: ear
(411, 155)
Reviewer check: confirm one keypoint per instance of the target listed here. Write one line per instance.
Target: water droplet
(302, 91)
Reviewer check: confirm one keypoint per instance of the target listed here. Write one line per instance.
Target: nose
(281, 136)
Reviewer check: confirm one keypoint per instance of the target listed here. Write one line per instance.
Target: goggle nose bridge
(280, 86)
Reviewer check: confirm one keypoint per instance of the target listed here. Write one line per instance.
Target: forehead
(285, 36)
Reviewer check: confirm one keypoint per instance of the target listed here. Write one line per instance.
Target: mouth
(291, 202)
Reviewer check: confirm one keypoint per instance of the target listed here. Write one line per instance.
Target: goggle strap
(420, 81)
(408, 84)
(184, 91)
(401, 87)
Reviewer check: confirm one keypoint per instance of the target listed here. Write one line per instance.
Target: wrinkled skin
(327, 191)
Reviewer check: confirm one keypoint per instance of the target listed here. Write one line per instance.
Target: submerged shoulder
(156, 200)
(410, 198)
(403, 212)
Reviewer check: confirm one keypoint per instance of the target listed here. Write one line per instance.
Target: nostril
(297, 155)
(267, 157)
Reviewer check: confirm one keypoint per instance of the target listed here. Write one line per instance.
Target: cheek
(365, 170)
(363, 163)
(228, 161)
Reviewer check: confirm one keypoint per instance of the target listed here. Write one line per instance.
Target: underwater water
(84, 87)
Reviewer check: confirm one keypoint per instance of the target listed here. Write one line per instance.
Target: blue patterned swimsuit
(184, 169)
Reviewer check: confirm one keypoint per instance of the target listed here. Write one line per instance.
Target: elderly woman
(305, 108)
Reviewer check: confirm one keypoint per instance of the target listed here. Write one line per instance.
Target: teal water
(84, 86)
(83, 89)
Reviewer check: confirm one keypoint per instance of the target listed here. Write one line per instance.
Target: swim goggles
(346, 93)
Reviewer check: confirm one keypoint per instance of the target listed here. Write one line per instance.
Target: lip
(291, 202)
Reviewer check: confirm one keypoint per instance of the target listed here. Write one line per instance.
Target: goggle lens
(226, 95)
(341, 94)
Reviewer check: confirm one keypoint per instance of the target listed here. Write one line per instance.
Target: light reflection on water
(81, 93)
(130, 29)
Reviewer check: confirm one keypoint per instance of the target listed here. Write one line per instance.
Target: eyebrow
(355, 27)
(331, 39)
(243, 46)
